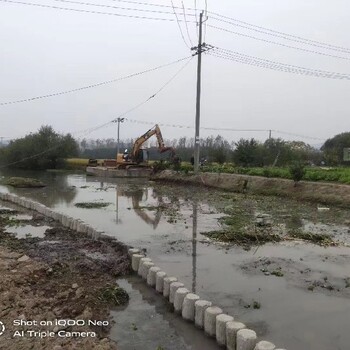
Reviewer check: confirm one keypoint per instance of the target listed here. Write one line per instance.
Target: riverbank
(320, 192)
(49, 278)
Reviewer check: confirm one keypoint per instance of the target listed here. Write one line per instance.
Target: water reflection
(194, 246)
(138, 195)
(58, 191)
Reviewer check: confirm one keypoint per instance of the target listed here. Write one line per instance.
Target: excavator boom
(142, 139)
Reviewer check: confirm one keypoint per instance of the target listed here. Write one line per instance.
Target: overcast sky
(48, 50)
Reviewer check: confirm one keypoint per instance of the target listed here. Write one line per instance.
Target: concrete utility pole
(198, 102)
(118, 120)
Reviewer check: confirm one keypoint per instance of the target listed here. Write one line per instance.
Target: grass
(320, 239)
(241, 237)
(92, 205)
(341, 175)
(114, 295)
(23, 182)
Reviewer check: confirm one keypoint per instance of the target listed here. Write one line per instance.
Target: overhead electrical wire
(186, 24)
(145, 101)
(279, 44)
(220, 129)
(117, 7)
(153, 4)
(90, 130)
(93, 85)
(278, 66)
(88, 11)
(179, 25)
(280, 34)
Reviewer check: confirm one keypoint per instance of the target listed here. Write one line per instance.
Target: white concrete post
(142, 261)
(210, 320)
(264, 345)
(173, 288)
(200, 306)
(133, 251)
(166, 286)
(160, 281)
(135, 261)
(246, 339)
(231, 333)
(188, 308)
(151, 277)
(146, 266)
(221, 321)
(179, 299)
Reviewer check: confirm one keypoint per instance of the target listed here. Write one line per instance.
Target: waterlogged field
(294, 289)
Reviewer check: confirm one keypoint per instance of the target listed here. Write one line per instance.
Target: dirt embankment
(321, 192)
(58, 277)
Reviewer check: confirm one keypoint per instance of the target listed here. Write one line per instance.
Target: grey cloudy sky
(46, 50)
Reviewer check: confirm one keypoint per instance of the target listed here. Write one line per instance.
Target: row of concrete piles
(228, 332)
(65, 220)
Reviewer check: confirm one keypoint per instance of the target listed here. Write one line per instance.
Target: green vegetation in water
(10, 222)
(24, 182)
(320, 239)
(242, 238)
(277, 273)
(114, 295)
(4, 211)
(92, 205)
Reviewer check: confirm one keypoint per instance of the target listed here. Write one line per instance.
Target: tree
(248, 153)
(333, 148)
(297, 170)
(45, 149)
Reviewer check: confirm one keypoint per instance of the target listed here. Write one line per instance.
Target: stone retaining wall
(321, 192)
(215, 323)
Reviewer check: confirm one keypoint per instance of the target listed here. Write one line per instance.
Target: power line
(179, 26)
(90, 130)
(186, 24)
(143, 102)
(180, 126)
(93, 85)
(283, 35)
(87, 11)
(153, 4)
(277, 43)
(117, 7)
(278, 66)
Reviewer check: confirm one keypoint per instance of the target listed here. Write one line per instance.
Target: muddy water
(307, 306)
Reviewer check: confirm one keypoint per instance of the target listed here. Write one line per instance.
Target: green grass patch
(320, 239)
(242, 238)
(114, 295)
(23, 182)
(92, 205)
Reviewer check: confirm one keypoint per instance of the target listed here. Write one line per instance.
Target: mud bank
(49, 279)
(326, 193)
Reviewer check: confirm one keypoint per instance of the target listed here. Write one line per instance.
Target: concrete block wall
(63, 219)
(229, 333)
(226, 329)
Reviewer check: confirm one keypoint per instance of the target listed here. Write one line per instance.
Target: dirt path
(58, 277)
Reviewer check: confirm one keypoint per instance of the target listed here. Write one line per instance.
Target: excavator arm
(142, 139)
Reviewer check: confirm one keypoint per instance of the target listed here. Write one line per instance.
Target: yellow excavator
(138, 155)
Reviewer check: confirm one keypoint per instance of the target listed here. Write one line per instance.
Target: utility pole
(270, 134)
(198, 102)
(118, 120)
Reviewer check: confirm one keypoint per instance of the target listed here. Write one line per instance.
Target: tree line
(46, 149)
